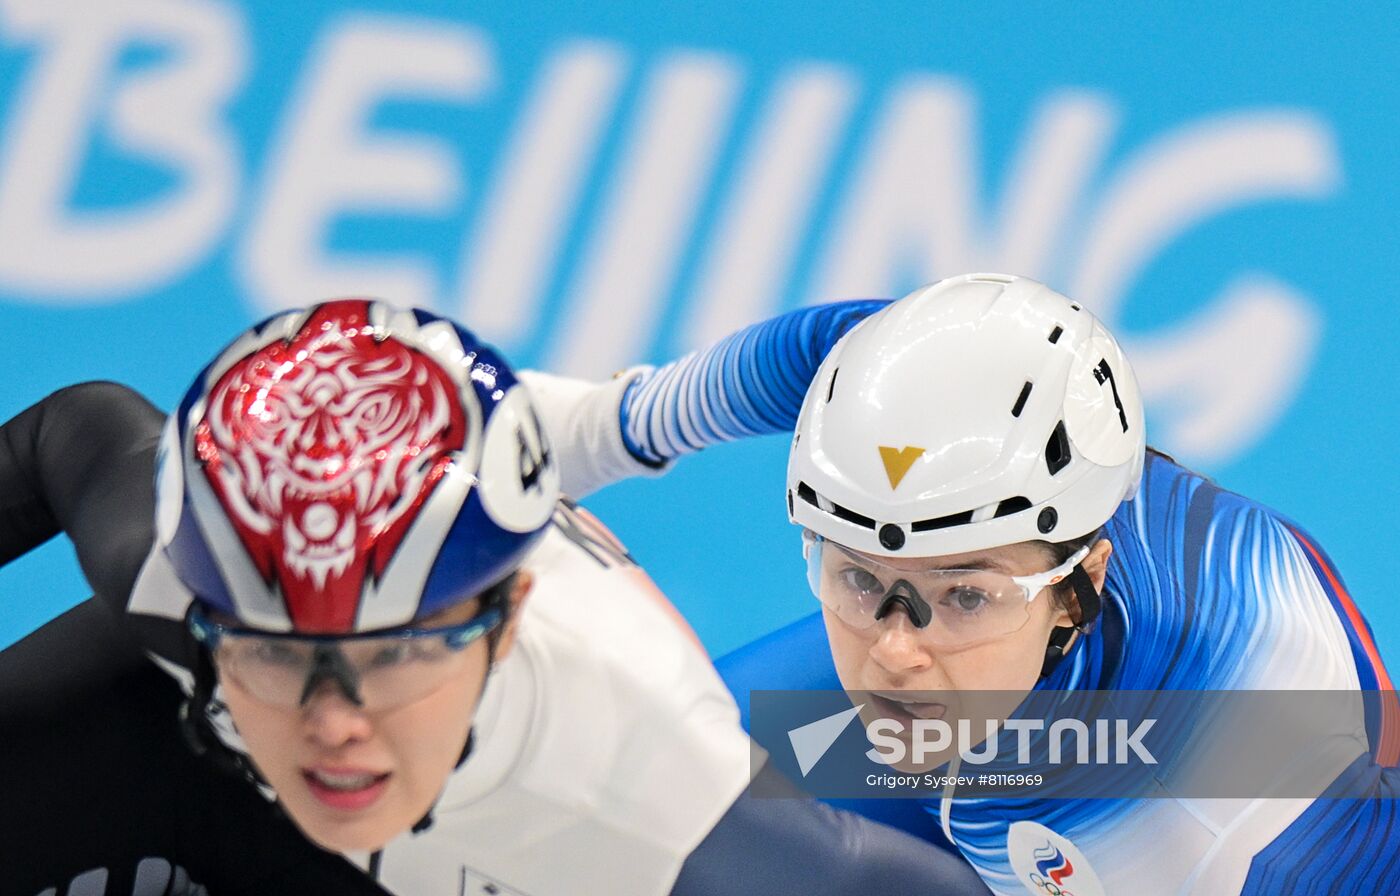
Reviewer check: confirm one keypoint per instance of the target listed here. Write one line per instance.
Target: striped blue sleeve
(749, 383)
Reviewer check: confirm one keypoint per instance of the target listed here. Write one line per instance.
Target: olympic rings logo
(1049, 887)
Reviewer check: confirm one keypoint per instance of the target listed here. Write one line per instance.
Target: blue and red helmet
(351, 467)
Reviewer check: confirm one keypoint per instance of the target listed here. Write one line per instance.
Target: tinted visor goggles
(376, 671)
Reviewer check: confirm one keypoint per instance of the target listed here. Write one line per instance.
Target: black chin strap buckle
(1055, 651)
(902, 594)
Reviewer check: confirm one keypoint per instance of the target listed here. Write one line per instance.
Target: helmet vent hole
(1057, 454)
(1055, 335)
(1012, 505)
(1021, 399)
(851, 516)
(831, 386)
(1075, 306)
(943, 522)
(808, 494)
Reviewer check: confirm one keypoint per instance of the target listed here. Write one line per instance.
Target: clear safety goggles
(949, 608)
(375, 671)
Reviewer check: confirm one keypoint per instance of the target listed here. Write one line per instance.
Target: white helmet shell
(981, 411)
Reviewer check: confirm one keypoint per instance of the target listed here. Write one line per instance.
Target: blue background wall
(591, 186)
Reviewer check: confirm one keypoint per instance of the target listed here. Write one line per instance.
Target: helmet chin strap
(426, 821)
(500, 593)
(1090, 605)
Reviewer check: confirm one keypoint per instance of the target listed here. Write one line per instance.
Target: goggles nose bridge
(904, 594)
(328, 663)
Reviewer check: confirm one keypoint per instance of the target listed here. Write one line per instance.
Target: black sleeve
(82, 461)
(774, 839)
(101, 795)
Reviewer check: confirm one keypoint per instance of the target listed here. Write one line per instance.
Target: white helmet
(981, 411)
